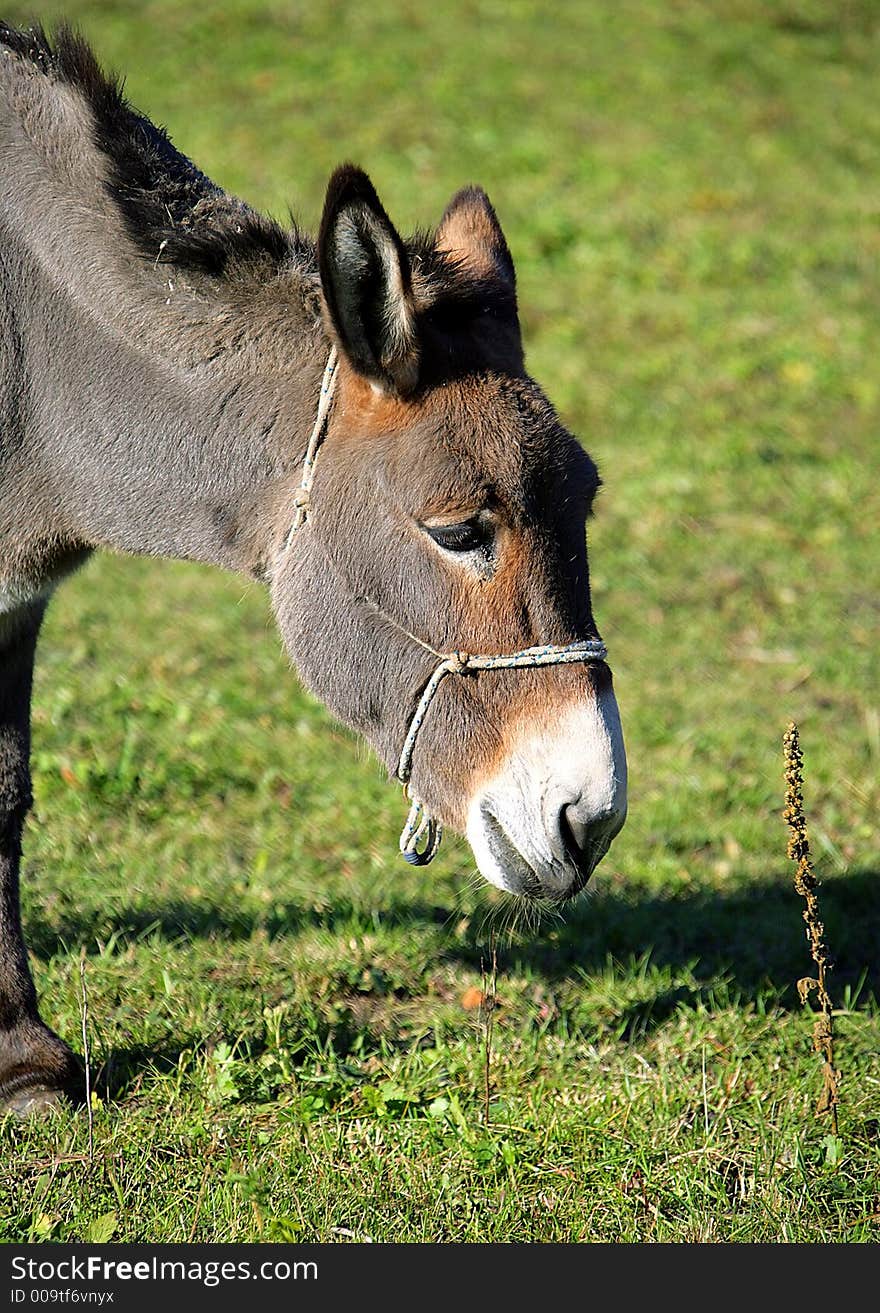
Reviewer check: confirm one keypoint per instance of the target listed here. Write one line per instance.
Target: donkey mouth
(557, 878)
(520, 877)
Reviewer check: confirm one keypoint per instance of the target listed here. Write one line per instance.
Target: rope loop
(420, 825)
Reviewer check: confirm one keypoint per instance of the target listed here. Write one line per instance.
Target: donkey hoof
(34, 1101)
(38, 1072)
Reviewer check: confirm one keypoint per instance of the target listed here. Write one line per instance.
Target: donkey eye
(470, 536)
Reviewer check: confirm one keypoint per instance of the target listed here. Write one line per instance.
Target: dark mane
(171, 210)
(174, 214)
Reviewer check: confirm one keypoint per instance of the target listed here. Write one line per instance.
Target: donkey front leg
(37, 1068)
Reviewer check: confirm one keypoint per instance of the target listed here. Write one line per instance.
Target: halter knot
(302, 499)
(458, 662)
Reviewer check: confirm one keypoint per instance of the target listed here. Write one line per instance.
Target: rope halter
(420, 825)
(302, 498)
(421, 835)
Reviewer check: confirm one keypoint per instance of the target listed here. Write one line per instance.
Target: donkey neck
(168, 409)
(171, 426)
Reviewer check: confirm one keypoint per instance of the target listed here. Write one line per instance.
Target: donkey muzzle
(544, 821)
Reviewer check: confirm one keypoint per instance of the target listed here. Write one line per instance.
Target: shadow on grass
(187, 919)
(122, 1069)
(752, 936)
(749, 941)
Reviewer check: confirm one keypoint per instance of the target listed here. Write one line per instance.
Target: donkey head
(448, 513)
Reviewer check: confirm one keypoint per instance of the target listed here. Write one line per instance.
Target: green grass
(279, 1046)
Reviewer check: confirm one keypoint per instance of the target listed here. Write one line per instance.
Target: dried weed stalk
(806, 885)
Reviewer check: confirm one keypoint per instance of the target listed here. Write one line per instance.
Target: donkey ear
(471, 233)
(365, 274)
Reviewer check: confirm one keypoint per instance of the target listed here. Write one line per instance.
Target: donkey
(162, 348)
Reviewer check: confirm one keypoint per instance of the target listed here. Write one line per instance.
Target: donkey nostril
(574, 832)
(586, 837)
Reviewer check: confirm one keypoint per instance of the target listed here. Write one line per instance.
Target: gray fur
(162, 407)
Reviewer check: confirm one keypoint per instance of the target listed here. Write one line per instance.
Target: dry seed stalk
(806, 885)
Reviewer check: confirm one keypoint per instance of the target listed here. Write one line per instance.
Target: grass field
(280, 1047)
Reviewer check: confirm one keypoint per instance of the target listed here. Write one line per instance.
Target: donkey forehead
(476, 441)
